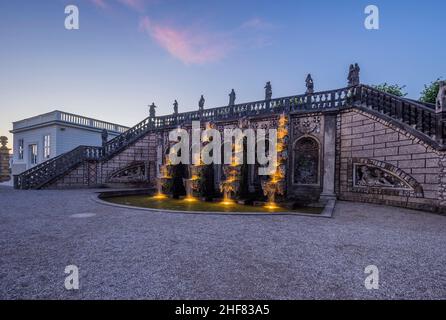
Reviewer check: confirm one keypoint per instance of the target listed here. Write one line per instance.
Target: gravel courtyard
(123, 253)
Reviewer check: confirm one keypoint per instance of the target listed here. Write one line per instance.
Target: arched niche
(306, 161)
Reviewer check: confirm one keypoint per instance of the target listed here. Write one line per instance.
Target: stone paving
(125, 253)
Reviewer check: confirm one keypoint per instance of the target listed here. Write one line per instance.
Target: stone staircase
(420, 119)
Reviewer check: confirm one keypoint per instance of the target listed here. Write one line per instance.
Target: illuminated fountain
(163, 179)
(192, 184)
(232, 172)
(275, 185)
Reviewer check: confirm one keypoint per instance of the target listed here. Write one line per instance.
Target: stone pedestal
(328, 191)
(5, 174)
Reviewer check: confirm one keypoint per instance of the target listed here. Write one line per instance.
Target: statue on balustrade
(441, 97)
(232, 98)
(4, 160)
(152, 111)
(175, 107)
(201, 103)
(310, 84)
(268, 91)
(353, 75)
(104, 137)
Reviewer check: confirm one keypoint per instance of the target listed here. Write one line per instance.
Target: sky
(130, 53)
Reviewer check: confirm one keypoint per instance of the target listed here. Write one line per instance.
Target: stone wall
(395, 167)
(116, 170)
(373, 161)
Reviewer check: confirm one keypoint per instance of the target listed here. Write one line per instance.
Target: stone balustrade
(65, 117)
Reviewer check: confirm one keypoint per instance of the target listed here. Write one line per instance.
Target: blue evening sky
(130, 53)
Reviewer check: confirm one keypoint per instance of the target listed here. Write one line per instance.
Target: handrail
(415, 115)
(47, 171)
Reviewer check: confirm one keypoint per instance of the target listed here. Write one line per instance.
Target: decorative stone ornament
(440, 104)
(201, 103)
(152, 110)
(308, 125)
(232, 98)
(4, 160)
(268, 91)
(353, 75)
(309, 84)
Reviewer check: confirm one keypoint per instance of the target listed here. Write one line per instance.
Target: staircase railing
(47, 171)
(418, 116)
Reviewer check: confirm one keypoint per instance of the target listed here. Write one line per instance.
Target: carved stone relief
(370, 176)
(135, 172)
(307, 125)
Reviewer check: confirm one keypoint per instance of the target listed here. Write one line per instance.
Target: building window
(47, 146)
(21, 146)
(33, 153)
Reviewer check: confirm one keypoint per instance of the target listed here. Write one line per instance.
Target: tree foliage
(392, 89)
(430, 92)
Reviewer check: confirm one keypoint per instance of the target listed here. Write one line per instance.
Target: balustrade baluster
(419, 123)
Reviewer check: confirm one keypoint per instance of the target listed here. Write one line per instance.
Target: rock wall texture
(114, 171)
(375, 161)
(381, 163)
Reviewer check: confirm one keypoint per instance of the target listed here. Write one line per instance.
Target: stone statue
(268, 91)
(152, 111)
(310, 84)
(104, 136)
(3, 141)
(350, 74)
(440, 104)
(232, 98)
(175, 107)
(357, 70)
(4, 160)
(353, 75)
(201, 103)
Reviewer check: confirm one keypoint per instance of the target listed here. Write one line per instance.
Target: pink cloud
(134, 4)
(137, 5)
(100, 3)
(189, 46)
(257, 24)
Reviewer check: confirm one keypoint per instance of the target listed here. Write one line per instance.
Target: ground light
(271, 206)
(227, 202)
(159, 196)
(196, 205)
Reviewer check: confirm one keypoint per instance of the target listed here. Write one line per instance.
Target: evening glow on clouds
(192, 45)
(130, 53)
(134, 4)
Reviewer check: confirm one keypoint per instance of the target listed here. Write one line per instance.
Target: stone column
(4, 160)
(329, 158)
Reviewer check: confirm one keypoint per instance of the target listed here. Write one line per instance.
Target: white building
(43, 137)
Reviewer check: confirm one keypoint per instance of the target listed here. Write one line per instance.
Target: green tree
(430, 92)
(392, 89)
